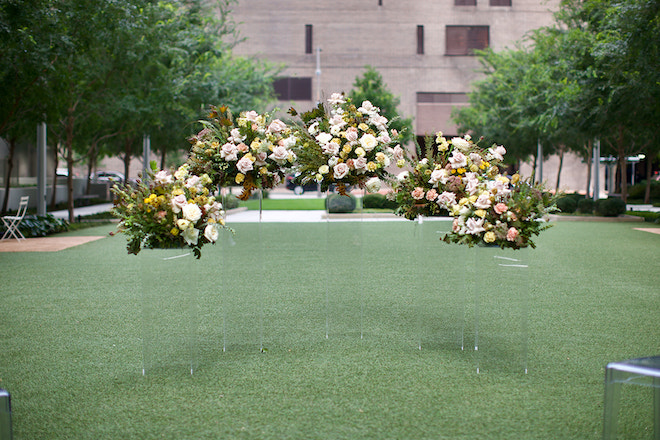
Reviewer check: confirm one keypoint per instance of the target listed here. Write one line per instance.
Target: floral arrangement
(169, 211)
(345, 145)
(254, 151)
(464, 181)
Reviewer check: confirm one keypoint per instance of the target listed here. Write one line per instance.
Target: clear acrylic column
(502, 283)
(439, 286)
(343, 282)
(169, 309)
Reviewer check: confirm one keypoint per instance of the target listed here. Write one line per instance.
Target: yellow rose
(255, 144)
(401, 163)
(515, 178)
(371, 166)
(489, 237)
(240, 178)
(324, 169)
(463, 201)
(474, 168)
(174, 231)
(474, 198)
(360, 151)
(480, 213)
(363, 126)
(346, 148)
(263, 170)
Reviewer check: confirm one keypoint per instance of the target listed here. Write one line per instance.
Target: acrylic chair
(13, 221)
(641, 371)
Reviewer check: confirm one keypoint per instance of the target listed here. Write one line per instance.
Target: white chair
(13, 221)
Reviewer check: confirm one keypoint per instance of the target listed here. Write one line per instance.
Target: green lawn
(72, 336)
(286, 204)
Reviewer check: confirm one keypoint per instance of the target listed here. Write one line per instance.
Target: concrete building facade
(422, 48)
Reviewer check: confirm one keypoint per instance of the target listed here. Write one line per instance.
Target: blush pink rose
(417, 193)
(500, 208)
(431, 195)
(511, 234)
(340, 170)
(244, 165)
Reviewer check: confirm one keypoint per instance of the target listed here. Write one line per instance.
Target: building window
(463, 40)
(500, 3)
(293, 88)
(465, 2)
(420, 39)
(308, 38)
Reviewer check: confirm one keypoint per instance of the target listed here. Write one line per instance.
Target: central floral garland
(338, 146)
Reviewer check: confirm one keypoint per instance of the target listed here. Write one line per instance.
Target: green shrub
(611, 207)
(378, 201)
(649, 217)
(231, 202)
(585, 206)
(40, 226)
(567, 204)
(336, 203)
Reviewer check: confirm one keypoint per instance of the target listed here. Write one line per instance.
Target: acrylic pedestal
(641, 371)
(501, 280)
(169, 309)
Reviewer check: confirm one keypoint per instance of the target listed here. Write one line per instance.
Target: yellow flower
(371, 166)
(515, 178)
(215, 144)
(363, 126)
(346, 148)
(474, 168)
(263, 170)
(360, 151)
(240, 178)
(381, 158)
(489, 237)
(460, 170)
(177, 192)
(174, 231)
(463, 201)
(401, 163)
(255, 144)
(480, 213)
(473, 198)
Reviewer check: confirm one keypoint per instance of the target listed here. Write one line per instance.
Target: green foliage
(39, 226)
(586, 206)
(567, 204)
(337, 203)
(378, 201)
(637, 191)
(650, 217)
(611, 207)
(371, 87)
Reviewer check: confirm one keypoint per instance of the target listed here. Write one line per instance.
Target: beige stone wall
(354, 33)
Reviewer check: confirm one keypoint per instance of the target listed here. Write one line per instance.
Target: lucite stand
(641, 371)
(344, 299)
(169, 309)
(243, 310)
(501, 285)
(440, 293)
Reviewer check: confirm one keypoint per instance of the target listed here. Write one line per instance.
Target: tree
(371, 87)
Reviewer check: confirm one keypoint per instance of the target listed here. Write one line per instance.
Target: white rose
(324, 169)
(251, 116)
(276, 126)
(331, 149)
(211, 232)
(360, 163)
(279, 154)
(483, 201)
(191, 212)
(403, 175)
(182, 224)
(373, 185)
(190, 235)
(229, 152)
(457, 159)
(351, 134)
(368, 142)
(178, 202)
(323, 138)
(336, 98)
(340, 170)
(398, 153)
(497, 153)
(244, 165)
(163, 178)
(460, 143)
(313, 128)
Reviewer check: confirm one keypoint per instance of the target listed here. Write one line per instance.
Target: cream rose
(190, 235)
(211, 232)
(244, 165)
(368, 142)
(280, 154)
(340, 170)
(191, 212)
(373, 185)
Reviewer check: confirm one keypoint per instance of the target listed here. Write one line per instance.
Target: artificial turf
(340, 310)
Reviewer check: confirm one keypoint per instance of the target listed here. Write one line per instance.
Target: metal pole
(146, 151)
(539, 161)
(318, 75)
(41, 169)
(596, 160)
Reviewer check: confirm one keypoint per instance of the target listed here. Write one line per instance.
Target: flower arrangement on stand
(169, 211)
(345, 145)
(464, 181)
(254, 151)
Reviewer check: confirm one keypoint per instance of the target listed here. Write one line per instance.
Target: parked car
(108, 176)
(293, 183)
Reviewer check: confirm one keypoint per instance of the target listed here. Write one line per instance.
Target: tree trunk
(562, 148)
(623, 163)
(589, 166)
(649, 175)
(10, 167)
(53, 196)
(163, 155)
(128, 147)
